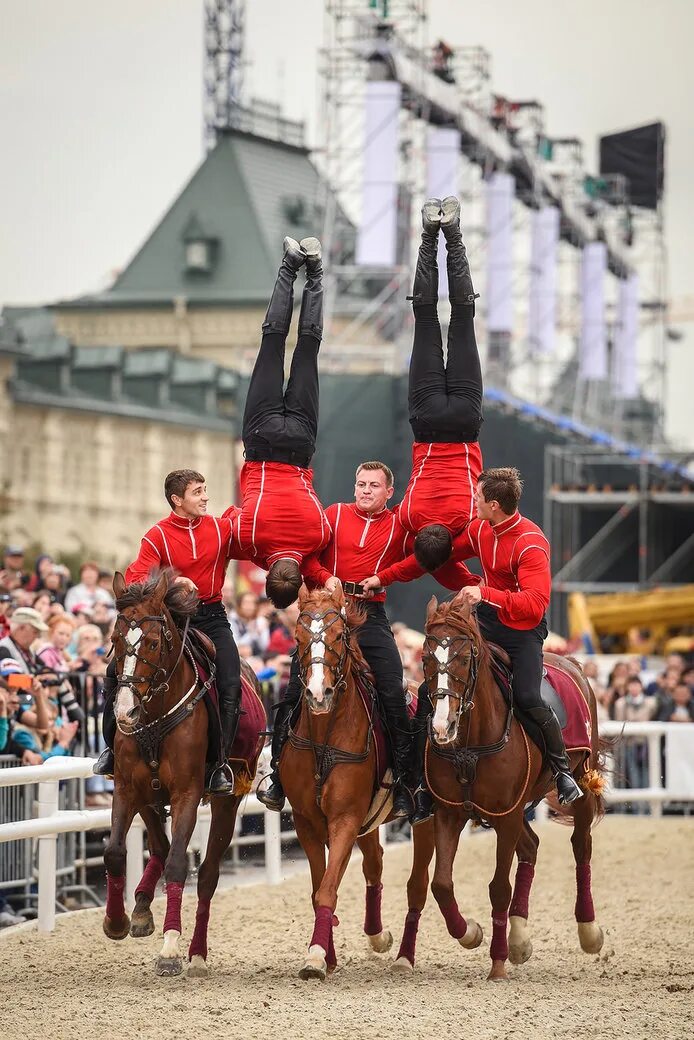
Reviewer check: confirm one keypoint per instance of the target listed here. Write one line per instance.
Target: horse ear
(460, 601)
(161, 588)
(339, 595)
(303, 595)
(119, 585)
(432, 607)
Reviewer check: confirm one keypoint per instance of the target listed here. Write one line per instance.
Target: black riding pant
(445, 401)
(211, 619)
(525, 650)
(281, 425)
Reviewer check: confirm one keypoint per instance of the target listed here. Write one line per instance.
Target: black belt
(209, 607)
(353, 588)
(290, 458)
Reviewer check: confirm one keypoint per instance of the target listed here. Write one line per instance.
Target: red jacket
(198, 549)
(442, 486)
(359, 545)
(281, 515)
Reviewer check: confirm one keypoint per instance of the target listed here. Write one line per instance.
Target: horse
(328, 771)
(160, 752)
(486, 769)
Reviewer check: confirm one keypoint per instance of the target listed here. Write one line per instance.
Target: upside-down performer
(281, 520)
(445, 401)
(198, 546)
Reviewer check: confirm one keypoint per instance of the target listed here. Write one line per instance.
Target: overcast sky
(100, 110)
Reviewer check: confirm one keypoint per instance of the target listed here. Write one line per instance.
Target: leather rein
(325, 755)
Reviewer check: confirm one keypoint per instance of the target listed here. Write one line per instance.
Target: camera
(66, 695)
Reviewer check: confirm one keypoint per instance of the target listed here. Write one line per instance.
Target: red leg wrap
(372, 919)
(455, 922)
(198, 944)
(521, 890)
(585, 911)
(148, 881)
(115, 907)
(174, 896)
(322, 928)
(498, 950)
(331, 956)
(409, 936)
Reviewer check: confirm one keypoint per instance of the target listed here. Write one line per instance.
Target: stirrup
(273, 797)
(572, 791)
(104, 764)
(221, 781)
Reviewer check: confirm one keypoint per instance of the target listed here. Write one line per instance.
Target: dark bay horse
(481, 765)
(160, 752)
(328, 771)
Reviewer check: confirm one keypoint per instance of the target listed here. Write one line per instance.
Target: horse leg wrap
(322, 928)
(521, 890)
(455, 922)
(585, 911)
(115, 907)
(198, 944)
(150, 878)
(409, 936)
(498, 950)
(331, 956)
(372, 919)
(174, 897)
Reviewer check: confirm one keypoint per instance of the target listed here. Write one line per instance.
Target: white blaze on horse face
(315, 683)
(125, 701)
(440, 721)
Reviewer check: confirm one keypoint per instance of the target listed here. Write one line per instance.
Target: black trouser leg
(423, 801)
(266, 389)
(212, 620)
(463, 374)
(273, 795)
(301, 396)
(427, 382)
(108, 719)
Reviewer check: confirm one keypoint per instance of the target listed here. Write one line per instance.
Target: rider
(445, 402)
(365, 534)
(198, 546)
(281, 520)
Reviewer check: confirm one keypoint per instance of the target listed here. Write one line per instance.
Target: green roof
(247, 194)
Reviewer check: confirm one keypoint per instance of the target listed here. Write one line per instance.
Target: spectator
(106, 582)
(664, 685)
(26, 705)
(12, 572)
(56, 582)
(43, 602)
(43, 566)
(90, 651)
(5, 610)
(249, 629)
(26, 625)
(103, 616)
(282, 640)
(604, 697)
(28, 741)
(635, 705)
(679, 706)
(88, 590)
(53, 654)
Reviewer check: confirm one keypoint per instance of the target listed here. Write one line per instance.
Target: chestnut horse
(160, 752)
(328, 771)
(481, 765)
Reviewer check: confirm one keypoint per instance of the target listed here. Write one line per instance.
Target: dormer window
(200, 248)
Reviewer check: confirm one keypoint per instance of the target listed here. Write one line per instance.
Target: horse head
(322, 636)
(451, 657)
(145, 641)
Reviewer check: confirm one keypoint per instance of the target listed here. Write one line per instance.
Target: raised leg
(116, 922)
(508, 830)
(224, 812)
(183, 814)
(142, 923)
(448, 825)
(590, 934)
(417, 884)
(380, 940)
(520, 947)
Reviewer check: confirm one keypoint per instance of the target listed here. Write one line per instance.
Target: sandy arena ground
(78, 984)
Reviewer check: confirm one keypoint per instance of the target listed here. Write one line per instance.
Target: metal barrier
(677, 785)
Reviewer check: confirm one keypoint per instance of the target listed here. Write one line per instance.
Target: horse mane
(355, 616)
(463, 620)
(180, 602)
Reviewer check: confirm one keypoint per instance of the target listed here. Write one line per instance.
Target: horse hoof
(316, 966)
(590, 936)
(117, 929)
(402, 966)
(168, 966)
(473, 936)
(197, 969)
(498, 972)
(142, 925)
(380, 943)
(520, 952)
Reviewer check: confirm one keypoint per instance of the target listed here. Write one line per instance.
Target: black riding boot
(222, 778)
(460, 289)
(398, 724)
(426, 275)
(273, 795)
(423, 801)
(279, 310)
(104, 765)
(311, 314)
(567, 788)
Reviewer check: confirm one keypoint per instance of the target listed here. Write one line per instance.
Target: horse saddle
(204, 642)
(501, 666)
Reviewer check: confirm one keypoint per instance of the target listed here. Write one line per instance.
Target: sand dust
(78, 984)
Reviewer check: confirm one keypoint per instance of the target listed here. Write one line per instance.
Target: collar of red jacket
(368, 516)
(180, 521)
(507, 524)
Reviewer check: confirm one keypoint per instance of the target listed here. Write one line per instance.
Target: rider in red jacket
(198, 547)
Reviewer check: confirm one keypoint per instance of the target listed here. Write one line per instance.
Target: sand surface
(78, 984)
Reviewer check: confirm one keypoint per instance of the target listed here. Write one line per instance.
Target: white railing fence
(676, 757)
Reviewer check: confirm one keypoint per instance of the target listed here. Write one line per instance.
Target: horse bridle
(465, 699)
(158, 680)
(319, 637)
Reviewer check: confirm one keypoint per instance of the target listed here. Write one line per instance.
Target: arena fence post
(273, 847)
(48, 806)
(655, 778)
(134, 861)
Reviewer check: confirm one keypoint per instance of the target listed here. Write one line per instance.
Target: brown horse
(328, 771)
(481, 765)
(160, 752)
